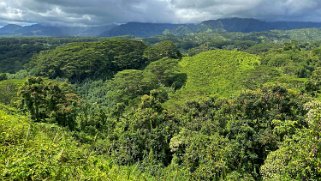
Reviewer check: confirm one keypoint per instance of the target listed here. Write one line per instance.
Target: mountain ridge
(52, 30)
(145, 29)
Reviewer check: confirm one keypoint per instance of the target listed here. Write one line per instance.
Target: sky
(103, 12)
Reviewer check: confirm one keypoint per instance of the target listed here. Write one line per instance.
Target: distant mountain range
(253, 25)
(151, 29)
(52, 31)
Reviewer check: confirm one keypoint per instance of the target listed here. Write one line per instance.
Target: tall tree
(49, 101)
(162, 50)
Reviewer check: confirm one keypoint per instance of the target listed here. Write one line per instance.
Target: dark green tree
(313, 85)
(164, 49)
(79, 61)
(49, 101)
(146, 131)
(126, 86)
(3, 76)
(298, 157)
(165, 72)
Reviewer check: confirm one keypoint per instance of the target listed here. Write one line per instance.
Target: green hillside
(38, 151)
(120, 109)
(214, 73)
(78, 61)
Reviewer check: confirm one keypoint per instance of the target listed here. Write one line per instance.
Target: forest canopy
(200, 106)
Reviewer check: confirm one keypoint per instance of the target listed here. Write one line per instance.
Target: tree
(79, 61)
(165, 72)
(3, 76)
(144, 132)
(9, 89)
(162, 50)
(245, 123)
(313, 85)
(207, 157)
(299, 156)
(49, 101)
(126, 86)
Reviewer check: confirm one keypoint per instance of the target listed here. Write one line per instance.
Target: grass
(213, 73)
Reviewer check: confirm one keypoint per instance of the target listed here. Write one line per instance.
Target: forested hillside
(200, 106)
(15, 53)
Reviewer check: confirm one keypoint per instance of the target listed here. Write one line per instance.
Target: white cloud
(93, 12)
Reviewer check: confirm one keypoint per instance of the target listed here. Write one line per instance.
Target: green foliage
(262, 48)
(218, 115)
(298, 158)
(259, 76)
(220, 137)
(49, 101)
(9, 90)
(3, 76)
(164, 49)
(314, 83)
(38, 151)
(94, 92)
(277, 100)
(15, 53)
(91, 120)
(262, 108)
(165, 72)
(145, 132)
(208, 157)
(290, 82)
(291, 60)
(126, 86)
(217, 72)
(79, 61)
(302, 35)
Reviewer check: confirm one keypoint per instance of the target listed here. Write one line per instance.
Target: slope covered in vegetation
(120, 109)
(214, 73)
(78, 61)
(37, 151)
(15, 53)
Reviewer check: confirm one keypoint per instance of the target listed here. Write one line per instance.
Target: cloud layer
(98, 12)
